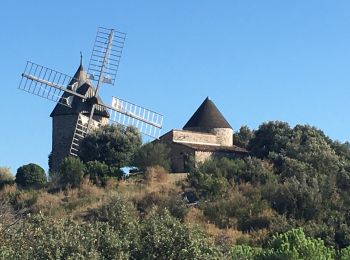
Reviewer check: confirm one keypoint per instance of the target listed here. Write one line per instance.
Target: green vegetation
(152, 154)
(72, 172)
(290, 199)
(30, 175)
(113, 145)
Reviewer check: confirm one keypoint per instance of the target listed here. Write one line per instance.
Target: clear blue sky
(257, 60)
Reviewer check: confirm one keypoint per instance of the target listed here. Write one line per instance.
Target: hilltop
(289, 199)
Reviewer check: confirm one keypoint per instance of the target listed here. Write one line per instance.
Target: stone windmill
(79, 108)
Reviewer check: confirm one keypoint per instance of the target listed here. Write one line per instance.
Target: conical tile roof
(206, 117)
(77, 105)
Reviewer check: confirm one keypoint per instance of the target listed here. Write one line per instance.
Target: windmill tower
(79, 108)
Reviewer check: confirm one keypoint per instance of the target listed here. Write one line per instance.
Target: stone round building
(207, 134)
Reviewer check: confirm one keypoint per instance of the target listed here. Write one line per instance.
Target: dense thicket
(295, 177)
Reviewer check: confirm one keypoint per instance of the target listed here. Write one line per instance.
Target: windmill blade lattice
(47, 83)
(147, 121)
(102, 66)
(84, 124)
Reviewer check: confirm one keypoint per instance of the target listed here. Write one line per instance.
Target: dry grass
(7, 190)
(155, 175)
(195, 217)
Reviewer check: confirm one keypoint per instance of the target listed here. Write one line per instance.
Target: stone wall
(224, 136)
(182, 136)
(202, 156)
(179, 155)
(62, 134)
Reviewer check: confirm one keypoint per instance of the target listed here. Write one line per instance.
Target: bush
(244, 252)
(72, 172)
(100, 172)
(30, 175)
(63, 239)
(152, 154)
(164, 237)
(291, 245)
(113, 145)
(295, 245)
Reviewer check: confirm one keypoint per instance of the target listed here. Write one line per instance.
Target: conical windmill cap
(77, 106)
(207, 116)
(80, 76)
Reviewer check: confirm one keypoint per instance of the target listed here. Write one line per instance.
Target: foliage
(113, 145)
(243, 137)
(122, 217)
(299, 176)
(30, 175)
(270, 137)
(213, 177)
(170, 202)
(239, 210)
(115, 232)
(152, 154)
(72, 172)
(244, 252)
(295, 245)
(290, 245)
(100, 172)
(63, 239)
(164, 237)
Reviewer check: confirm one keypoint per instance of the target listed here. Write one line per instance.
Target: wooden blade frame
(126, 113)
(47, 83)
(83, 125)
(104, 67)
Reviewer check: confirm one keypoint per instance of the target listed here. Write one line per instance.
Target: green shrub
(152, 154)
(244, 252)
(100, 172)
(295, 245)
(30, 175)
(46, 238)
(164, 237)
(72, 172)
(344, 254)
(122, 217)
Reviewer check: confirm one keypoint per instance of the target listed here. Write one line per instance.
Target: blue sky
(257, 60)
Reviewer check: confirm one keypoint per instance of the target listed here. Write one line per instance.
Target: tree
(152, 154)
(30, 175)
(270, 137)
(72, 171)
(113, 145)
(243, 136)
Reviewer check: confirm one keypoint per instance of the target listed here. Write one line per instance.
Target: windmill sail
(120, 112)
(106, 54)
(47, 83)
(81, 130)
(147, 121)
